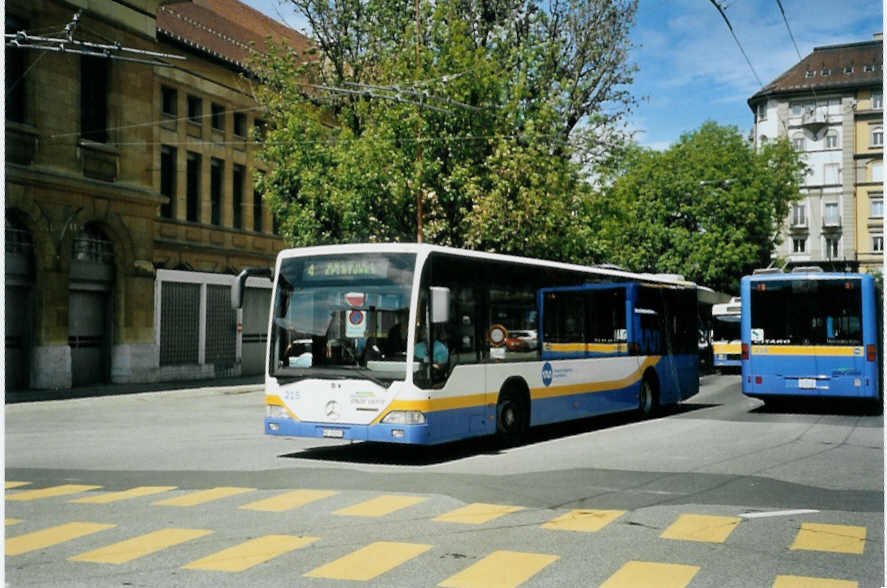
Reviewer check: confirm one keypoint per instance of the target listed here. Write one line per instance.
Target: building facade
(830, 107)
(129, 192)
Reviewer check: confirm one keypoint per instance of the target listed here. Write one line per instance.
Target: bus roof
(805, 276)
(422, 248)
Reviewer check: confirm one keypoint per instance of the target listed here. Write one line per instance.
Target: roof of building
(844, 66)
(225, 29)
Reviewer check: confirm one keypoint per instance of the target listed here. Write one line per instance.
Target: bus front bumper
(411, 434)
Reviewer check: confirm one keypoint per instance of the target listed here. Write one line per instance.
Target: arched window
(877, 137)
(92, 245)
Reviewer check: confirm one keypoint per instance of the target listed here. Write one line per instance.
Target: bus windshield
(725, 327)
(806, 312)
(342, 316)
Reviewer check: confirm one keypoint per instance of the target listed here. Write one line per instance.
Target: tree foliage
(490, 120)
(709, 207)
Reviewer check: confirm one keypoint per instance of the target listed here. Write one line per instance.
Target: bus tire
(512, 416)
(648, 396)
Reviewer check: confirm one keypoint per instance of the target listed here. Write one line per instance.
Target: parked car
(521, 340)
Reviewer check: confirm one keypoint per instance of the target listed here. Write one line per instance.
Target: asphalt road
(720, 492)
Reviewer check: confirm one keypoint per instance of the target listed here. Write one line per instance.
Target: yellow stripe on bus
(555, 391)
(468, 401)
(726, 347)
(821, 350)
(275, 400)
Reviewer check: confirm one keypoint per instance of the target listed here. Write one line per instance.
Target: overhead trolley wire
(735, 38)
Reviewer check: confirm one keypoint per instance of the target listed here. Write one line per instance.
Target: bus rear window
(809, 312)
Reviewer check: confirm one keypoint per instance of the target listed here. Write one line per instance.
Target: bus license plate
(807, 383)
(334, 433)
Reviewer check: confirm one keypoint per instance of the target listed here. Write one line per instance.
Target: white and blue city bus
(412, 343)
(811, 334)
(726, 343)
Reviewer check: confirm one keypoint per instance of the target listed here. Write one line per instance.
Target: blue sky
(691, 69)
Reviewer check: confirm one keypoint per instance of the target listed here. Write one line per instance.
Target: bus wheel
(647, 397)
(510, 419)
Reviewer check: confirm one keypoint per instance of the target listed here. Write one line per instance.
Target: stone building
(830, 106)
(129, 192)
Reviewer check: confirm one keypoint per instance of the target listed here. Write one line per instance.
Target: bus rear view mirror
(440, 304)
(239, 284)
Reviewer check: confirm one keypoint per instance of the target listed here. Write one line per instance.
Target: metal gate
(87, 329)
(89, 307)
(256, 304)
(18, 340)
(19, 278)
(221, 329)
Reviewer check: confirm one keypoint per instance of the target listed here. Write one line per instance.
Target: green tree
(709, 207)
(488, 121)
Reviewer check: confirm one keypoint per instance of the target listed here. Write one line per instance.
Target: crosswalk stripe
(253, 552)
(369, 562)
(10, 522)
(808, 582)
(203, 496)
(694, 527)
(477, 513)
(833, 538)
(288, 500)
(588, 521)
(51, 536)
(123, 495)
(380, 506)
(51, 492)
(645, 573)
(15, 484)
(502, 569)
(141, 546)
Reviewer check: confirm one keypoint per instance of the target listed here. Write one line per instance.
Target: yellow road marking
(253, 552)
(15, 484)
(806, 582)
(500, 569)
(380, 506)
(369, 562)
(693, 527)
(477, 513)
(12, 522)
(645, 573)
(123, 495)
(141, 546)
(51, 536)
(834, 538)
(288, 500)
(588, 521)
(50, 492)
(203, 496)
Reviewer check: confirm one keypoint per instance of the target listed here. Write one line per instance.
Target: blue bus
(811, 334)
(420, 344)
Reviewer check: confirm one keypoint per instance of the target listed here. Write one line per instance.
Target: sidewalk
(14, 396)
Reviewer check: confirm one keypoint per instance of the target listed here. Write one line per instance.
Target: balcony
(814, 121)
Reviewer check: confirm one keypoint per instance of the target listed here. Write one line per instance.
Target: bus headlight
(404, 417)
(275, 411)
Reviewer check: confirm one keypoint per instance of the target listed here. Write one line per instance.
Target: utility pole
(418, 144)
